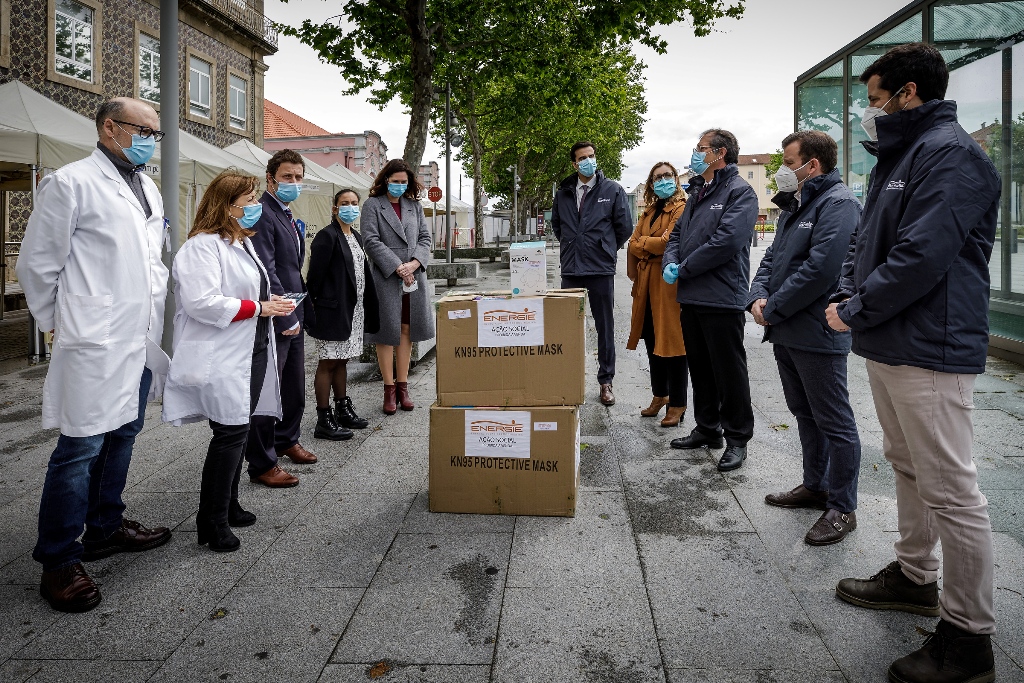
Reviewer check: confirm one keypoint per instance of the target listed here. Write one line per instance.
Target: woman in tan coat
(655, 311)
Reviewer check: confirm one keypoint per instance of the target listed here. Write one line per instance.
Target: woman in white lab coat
(223, 346)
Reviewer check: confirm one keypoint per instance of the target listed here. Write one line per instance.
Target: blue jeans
(817, 395)
(84, 482)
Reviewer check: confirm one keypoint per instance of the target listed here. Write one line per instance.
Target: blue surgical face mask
(697, 163)
(587, 167)
(348, 214)
(250, 215)
(664, 188)
(288, 192)
(142, 149)
(397, 189)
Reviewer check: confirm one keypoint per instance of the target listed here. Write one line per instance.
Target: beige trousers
(927, 437)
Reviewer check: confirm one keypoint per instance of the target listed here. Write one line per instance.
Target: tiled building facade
(80, 52)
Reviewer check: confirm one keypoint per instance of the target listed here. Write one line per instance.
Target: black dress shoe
(239, 517)
(831, 527)
(698, 439)
(132, 537)
(891, 589)
(800, 497)
(950, 655)
(733, 458)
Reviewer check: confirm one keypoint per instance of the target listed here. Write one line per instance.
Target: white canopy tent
(462, 221)
(358, 181)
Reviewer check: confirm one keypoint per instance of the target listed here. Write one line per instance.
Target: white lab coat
(91, 270)
(212, 364)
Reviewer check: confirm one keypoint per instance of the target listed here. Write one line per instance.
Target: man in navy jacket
(281, 245)
(590, 217)
(792, 287)
(915, 293)
(709, 253)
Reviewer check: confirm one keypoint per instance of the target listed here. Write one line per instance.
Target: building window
(238, 102)
(73, 24)
(750, 175)
(149, 68)
(199, 87)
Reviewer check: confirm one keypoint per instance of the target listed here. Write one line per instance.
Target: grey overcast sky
(739, 78)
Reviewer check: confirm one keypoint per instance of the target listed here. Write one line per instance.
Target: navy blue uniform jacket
(591, 237)
(282, 254)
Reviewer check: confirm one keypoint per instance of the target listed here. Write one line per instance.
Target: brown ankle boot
(673, 416)
(403, 396)
(657, 403)
(390, 407)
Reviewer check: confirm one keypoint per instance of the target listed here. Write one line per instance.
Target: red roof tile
(278, 122)
(748, 159)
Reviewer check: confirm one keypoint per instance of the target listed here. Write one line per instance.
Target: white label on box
(498, 433)
(545, 426)
(459, 314)
(510, 323)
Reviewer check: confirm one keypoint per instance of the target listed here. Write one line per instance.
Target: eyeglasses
(701, 148)
(144, 131)
(665, 176)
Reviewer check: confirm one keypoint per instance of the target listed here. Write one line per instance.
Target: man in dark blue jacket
(792, 287)
(915, 293)
(709, 253)
(591, 219)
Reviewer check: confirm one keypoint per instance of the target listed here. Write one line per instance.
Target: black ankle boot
(328, 428)
(347, 415)
(218, 536)
(949, 655)
(239, 517)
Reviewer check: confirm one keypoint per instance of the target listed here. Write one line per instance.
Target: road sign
(434, 194)
(540, 225)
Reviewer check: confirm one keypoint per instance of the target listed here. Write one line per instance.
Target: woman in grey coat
(398, 241)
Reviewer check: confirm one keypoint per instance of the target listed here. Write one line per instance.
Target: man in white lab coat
(91, 271)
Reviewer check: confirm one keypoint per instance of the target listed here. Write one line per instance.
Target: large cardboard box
(493, 350)
(516, 461)
(529, 264)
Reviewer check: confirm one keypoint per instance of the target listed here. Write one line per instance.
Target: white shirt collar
(590, 183)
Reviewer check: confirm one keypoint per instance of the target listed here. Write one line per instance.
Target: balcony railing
(242, 16)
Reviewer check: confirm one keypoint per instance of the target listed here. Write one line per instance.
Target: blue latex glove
(671, 273)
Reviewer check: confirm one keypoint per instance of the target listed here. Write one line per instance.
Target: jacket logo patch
(896, 185)
(717, 207)
(805, 224)
(603, 199)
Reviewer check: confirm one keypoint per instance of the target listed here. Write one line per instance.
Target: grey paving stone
(400, 672)
(384, 464)
(276, 633)
(411, 423)
(706, 590)
(579, 633)
(421, 520)
(681, 498)
(998, 430)
(435, 600)
(337, 541)
(599, 466)
(1009, 596)
(1006, 511)
(595, 548)
(20, 528)
(754, 676)
(76, 671)
(24, 616)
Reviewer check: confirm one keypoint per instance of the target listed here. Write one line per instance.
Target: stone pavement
(669, 572)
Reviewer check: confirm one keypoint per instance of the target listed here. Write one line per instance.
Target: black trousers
(601, 292)
(668, 373)
(718, 372)
(223, 465)
(268, 436)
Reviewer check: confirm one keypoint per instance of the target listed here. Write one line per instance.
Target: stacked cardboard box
(504, 433)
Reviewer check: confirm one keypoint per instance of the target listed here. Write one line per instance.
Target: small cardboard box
(516, 461)
(529, 264)
(493, 350)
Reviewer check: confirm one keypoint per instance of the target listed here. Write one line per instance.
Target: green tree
(771, 168)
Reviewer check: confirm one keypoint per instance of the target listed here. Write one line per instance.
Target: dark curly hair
(380, 183)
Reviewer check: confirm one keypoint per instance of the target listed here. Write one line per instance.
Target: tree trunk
(477, 151)
(422, 66)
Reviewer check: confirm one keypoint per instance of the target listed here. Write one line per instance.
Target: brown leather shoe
(275, 478)
(657, 403)
(132, 537)
(607, 397)
(673, 416)
(390, 404)
(299, 455)
(69, 589)
(831, 527)
(402, 394)
(800, 497)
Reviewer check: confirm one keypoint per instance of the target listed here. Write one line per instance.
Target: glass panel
(861, 162)
(83, 43)
(75, 10)
(73, 40)
(200, 66)
(237, 101)
(820, 104)
(199, 87)
(149, 68)
(65, 34)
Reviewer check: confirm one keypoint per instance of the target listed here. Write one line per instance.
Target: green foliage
(771, 168)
